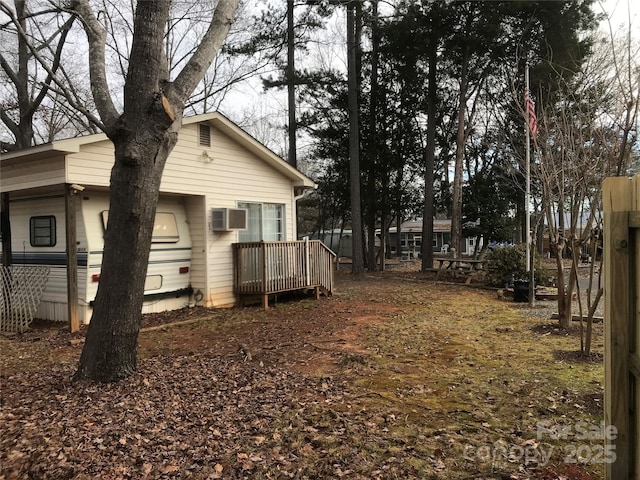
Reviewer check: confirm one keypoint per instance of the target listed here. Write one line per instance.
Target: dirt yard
(395, 376)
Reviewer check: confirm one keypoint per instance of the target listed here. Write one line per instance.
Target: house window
(204, 135)
(165, 227)
(265, 221)
(42, 231)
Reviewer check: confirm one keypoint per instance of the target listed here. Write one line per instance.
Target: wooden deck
(267, 268)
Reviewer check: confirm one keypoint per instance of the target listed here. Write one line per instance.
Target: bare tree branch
(97, 64)
(64, 31)
(194, 71)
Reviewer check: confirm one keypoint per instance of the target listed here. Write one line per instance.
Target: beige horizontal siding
(196, 217)
(230, 167)
(229, 174)
(92, 165)
(25, 174)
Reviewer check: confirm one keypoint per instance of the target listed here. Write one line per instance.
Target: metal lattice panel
(21, 292)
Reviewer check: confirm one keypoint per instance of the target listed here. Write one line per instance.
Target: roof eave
(69, 145)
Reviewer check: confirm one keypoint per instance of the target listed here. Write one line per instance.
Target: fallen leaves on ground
(390, 378)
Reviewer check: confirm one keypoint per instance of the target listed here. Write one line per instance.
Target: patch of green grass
(465, 369)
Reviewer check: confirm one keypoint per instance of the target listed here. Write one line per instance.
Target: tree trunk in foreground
(110, 350)
(143, 137)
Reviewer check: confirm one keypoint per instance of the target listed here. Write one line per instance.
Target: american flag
(530, 112)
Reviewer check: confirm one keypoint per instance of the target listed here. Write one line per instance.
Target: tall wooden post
(621, 242)
(72, 258)
(6, 230)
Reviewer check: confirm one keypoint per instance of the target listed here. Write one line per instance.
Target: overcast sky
(619, 12)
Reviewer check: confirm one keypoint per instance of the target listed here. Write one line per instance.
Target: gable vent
(204, 135)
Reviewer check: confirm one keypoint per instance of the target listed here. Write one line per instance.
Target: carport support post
(72, 258)
(6, 230)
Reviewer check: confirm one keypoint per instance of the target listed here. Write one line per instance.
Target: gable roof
(215, 119)
(233, 131)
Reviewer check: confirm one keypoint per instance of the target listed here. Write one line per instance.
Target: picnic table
(464, 266)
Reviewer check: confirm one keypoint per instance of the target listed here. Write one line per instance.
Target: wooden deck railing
(265, 268)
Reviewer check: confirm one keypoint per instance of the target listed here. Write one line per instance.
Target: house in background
(220, 186)
(411, 239)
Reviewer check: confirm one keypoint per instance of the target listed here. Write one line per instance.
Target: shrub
(505, 264)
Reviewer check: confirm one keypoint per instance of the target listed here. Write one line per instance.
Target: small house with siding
(225, 223)
(411, 239)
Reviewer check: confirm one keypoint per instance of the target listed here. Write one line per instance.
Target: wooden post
(307, 262)
(621, 334)
(6, 230)
(634, 306)
(265, 273)
(72, 258)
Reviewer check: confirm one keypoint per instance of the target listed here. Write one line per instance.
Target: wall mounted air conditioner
(227, 219)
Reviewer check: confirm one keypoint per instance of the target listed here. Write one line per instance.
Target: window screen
(42, 231)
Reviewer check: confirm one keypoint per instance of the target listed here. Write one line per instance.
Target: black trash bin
(521, 291)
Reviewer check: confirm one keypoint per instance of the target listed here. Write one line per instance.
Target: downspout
(303, 192)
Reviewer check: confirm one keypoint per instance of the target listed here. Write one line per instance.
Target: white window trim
(282, 234)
